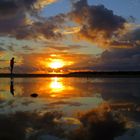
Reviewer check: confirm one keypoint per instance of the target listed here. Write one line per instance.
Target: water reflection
(70, 96)
(112, 90)
(96, 124)
(100, 123)
(12, 86)
(56, 85)
(52, 87)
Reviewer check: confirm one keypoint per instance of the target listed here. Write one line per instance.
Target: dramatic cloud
(119, 59)
(21, 19)
(97, 17)
(39, 62)
(42, 3)
(95, 23)
(13, 14)
(16, 19)
(133, 36)
(40, 30)
(100, 25)
(12, 7)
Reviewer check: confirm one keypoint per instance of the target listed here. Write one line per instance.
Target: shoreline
(123, 74)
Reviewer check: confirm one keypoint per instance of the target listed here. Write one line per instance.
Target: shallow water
(66, 107)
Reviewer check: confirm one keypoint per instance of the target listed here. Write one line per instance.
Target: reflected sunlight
(56, 85)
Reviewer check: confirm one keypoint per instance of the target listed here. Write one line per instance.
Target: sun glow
(56, 64)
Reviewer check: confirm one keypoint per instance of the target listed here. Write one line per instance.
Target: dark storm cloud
(99, 24)
(105, 29)
(133, 36)
(11, 7)
(38, 30)
(21, 19)
(7, 8)
(16, 21)
(13, 14)
(42, 29)
(98, 17)
(119, 59)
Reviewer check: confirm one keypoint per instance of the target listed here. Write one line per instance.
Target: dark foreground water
(70, 109)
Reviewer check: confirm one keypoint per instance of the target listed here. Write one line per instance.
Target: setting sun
(56, 64)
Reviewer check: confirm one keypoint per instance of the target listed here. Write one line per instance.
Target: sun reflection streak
(56, 85)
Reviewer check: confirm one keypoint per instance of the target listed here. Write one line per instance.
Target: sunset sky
(73, 35)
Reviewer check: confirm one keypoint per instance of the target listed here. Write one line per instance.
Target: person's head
(13, 58)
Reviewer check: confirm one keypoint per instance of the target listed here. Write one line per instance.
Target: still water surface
(70, 108)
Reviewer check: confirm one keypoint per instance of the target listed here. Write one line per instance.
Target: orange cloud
(100, 25)
(42, 3)
(69, 30)
(40, 62)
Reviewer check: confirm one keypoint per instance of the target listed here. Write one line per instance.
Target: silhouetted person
(12, 65)
(12, 87)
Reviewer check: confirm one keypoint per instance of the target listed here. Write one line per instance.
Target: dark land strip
(124, 74)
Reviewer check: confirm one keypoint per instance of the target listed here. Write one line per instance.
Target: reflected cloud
(54, 124)
(100, 123)
(126, 91)
(29, 126)
(70, 94)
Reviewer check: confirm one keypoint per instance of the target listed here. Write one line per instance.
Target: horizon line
(75, 74)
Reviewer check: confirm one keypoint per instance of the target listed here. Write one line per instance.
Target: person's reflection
(12, 86)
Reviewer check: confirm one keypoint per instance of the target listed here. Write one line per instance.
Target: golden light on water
(56, 85)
